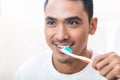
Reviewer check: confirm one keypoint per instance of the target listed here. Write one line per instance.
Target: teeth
(62, 46)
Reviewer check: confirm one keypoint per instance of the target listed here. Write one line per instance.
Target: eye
(51, 23)
(73, 23)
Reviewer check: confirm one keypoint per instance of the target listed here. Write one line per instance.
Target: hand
(108, 65)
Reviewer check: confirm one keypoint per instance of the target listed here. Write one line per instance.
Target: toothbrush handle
(85, 59)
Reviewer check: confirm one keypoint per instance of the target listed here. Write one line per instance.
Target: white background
(22, 31)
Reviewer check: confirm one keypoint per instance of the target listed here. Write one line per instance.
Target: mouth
(60, 46)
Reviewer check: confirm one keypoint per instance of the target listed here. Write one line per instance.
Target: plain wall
(22, 31)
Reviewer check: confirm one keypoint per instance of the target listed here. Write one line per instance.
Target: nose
(62, 33)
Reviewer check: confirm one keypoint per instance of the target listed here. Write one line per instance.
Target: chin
(64, 61)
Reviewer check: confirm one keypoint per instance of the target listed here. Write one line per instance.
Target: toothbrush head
(67, 49)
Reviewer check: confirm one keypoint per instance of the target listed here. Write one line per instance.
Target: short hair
(88, 7)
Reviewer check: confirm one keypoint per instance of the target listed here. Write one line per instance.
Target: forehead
(64, 8)
(56, 3)
(63, 0)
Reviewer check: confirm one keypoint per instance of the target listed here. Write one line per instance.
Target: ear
(93, 26)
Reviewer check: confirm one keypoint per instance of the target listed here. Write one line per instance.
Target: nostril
(62, 36)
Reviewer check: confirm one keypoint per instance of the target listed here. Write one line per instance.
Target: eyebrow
(49, 18)
(67, 19)
(74, 18)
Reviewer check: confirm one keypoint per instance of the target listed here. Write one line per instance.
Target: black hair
(88, 7)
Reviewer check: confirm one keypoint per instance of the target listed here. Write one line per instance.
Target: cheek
(81, 37)
(80, 34)
(48, 34)
(81, 41)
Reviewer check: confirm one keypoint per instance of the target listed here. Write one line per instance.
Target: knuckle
(117, 70)
(113, 55)
(108, 78)
(98, 66)
(102, 73)
(116, 62)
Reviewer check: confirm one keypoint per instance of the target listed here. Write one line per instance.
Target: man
(69, 23)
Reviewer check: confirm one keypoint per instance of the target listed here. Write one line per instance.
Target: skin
(108, 65)
(66, 23)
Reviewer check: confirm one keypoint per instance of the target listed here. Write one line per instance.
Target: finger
(117, 70)
(114, 74)
(104, 71)
(98, 59)
(111, 76)
(108, 57)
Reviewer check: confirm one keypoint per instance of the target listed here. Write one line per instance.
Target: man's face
(66, 24)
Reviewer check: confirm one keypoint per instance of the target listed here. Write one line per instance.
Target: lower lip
(58, 49)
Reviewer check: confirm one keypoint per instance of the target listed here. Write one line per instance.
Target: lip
(58, 49)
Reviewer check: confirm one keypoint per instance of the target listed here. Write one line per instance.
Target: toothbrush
(68, 51)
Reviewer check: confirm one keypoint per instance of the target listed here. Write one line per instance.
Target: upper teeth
(62, 46)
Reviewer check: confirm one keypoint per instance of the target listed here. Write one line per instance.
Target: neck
(71, 67)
